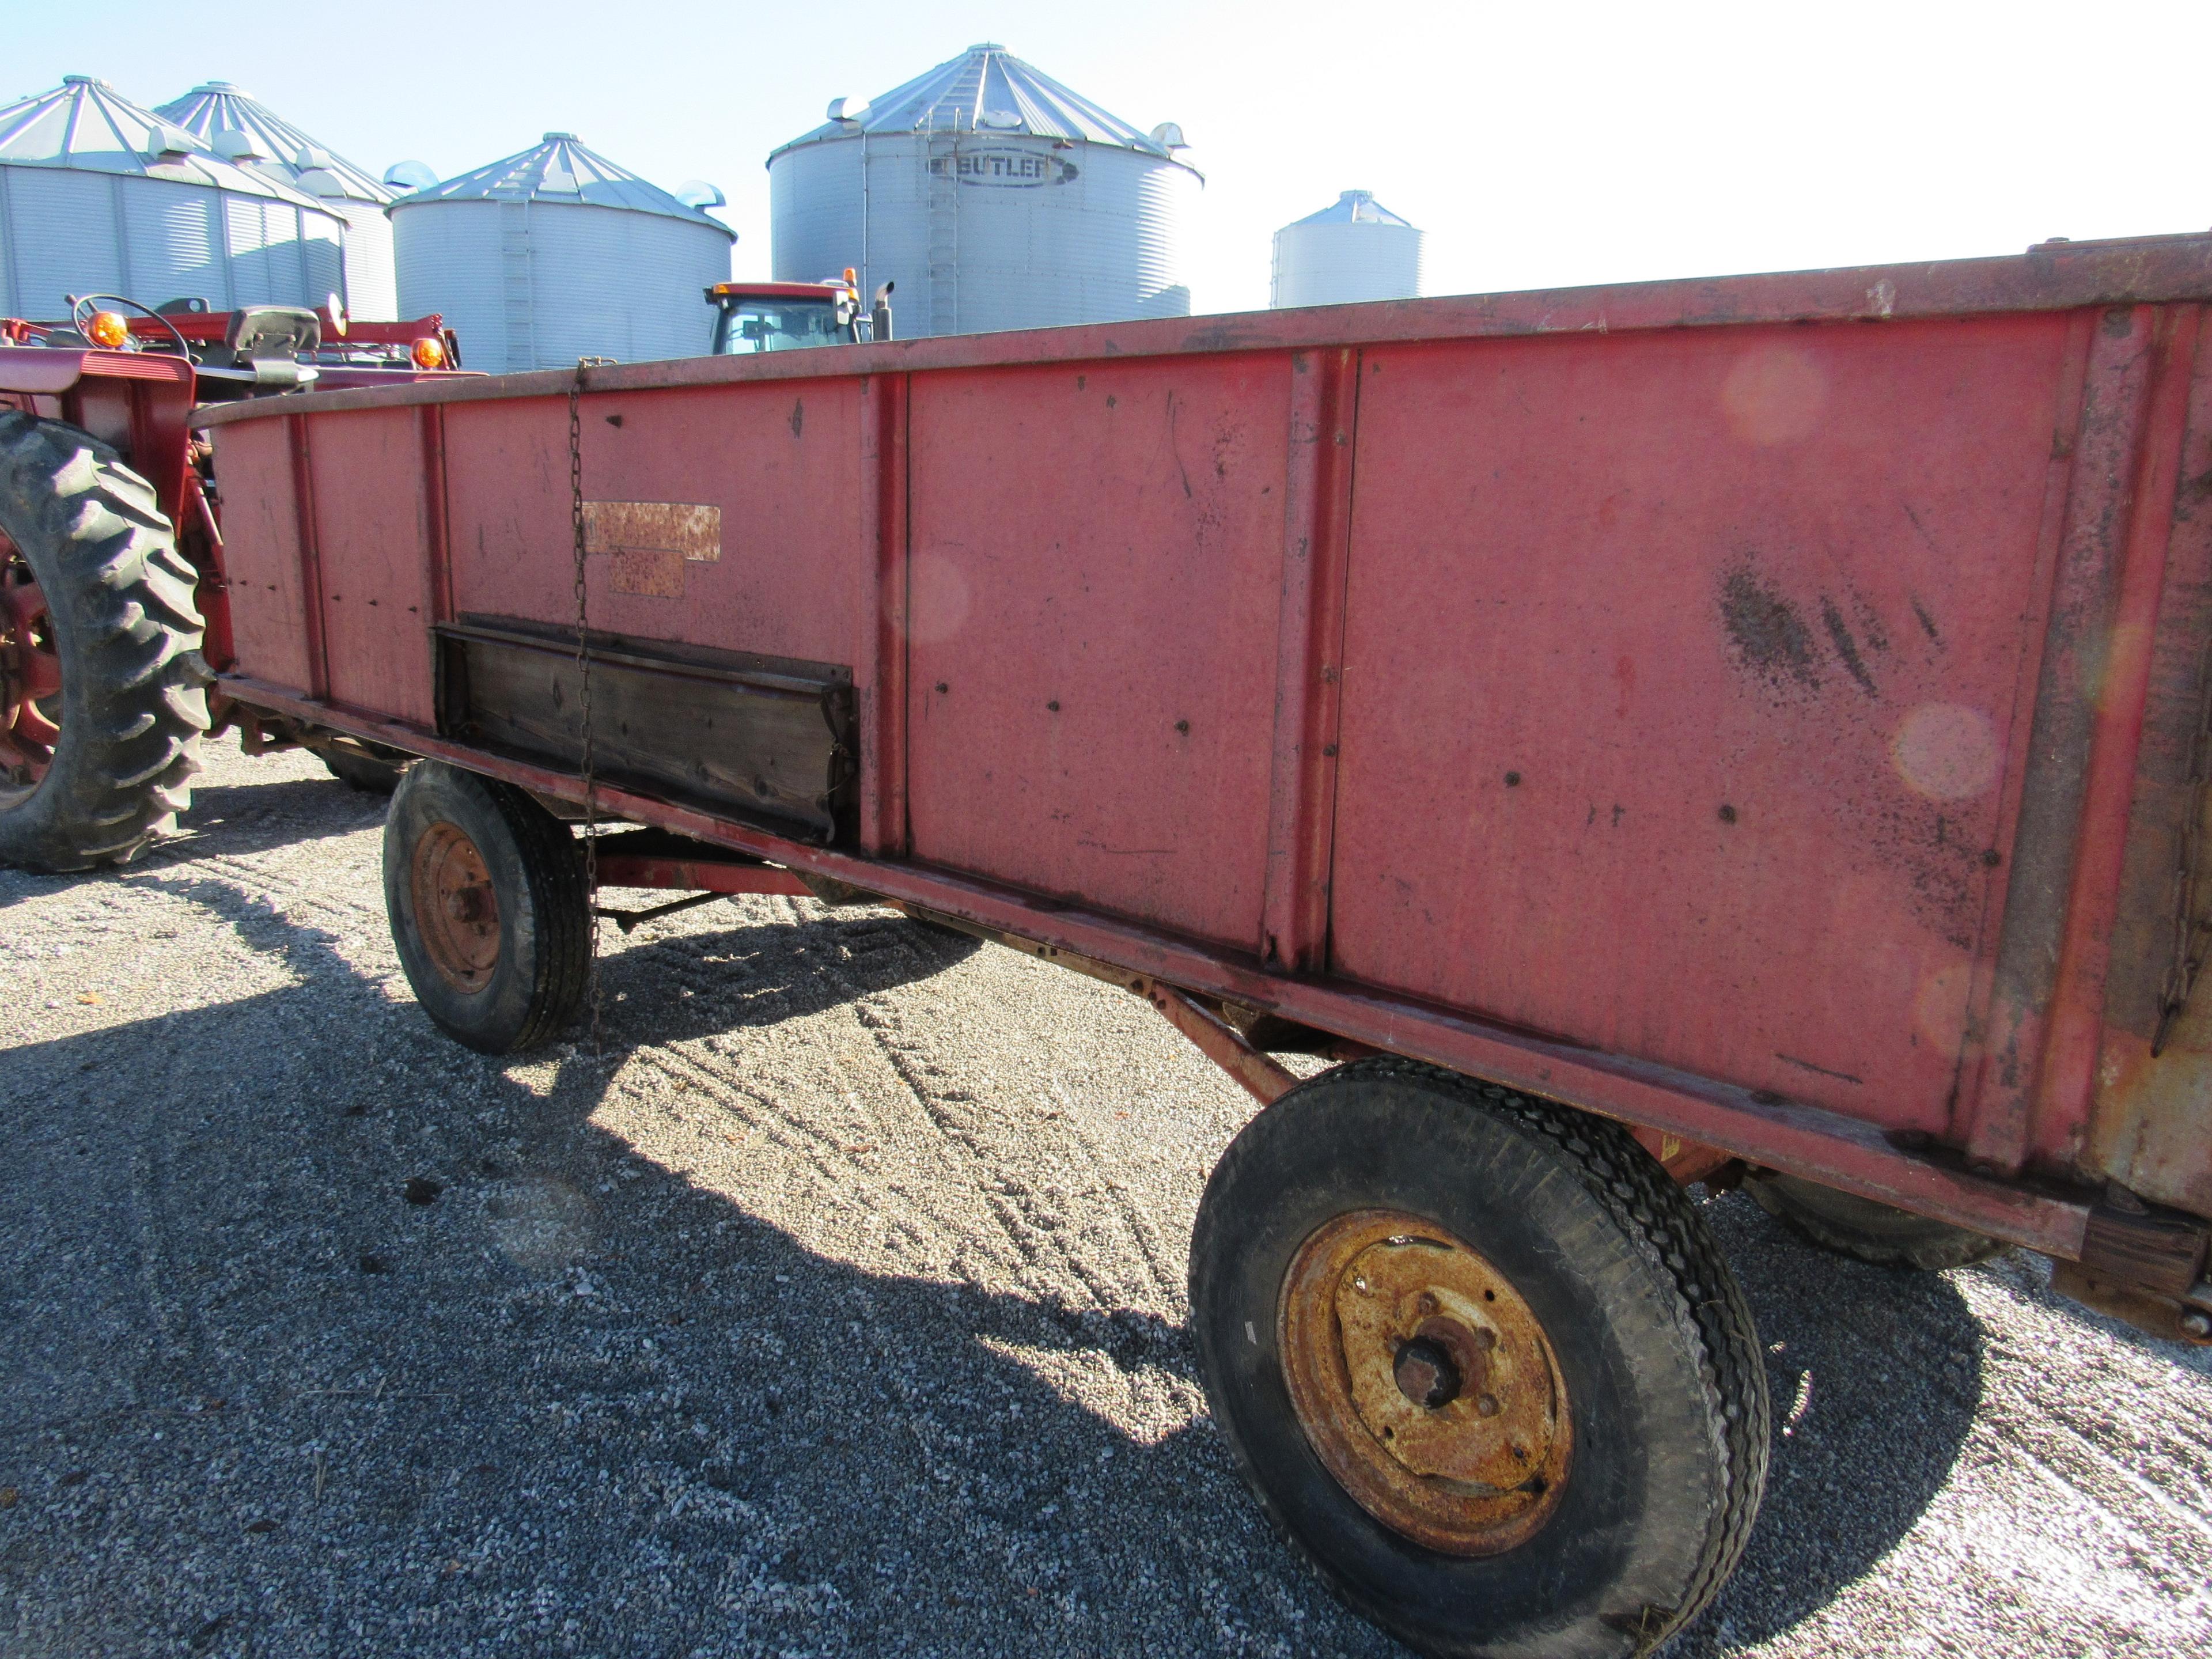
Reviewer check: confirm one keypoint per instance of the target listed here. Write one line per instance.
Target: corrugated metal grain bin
(1356, 249)
(995, 198)
(237, 126)
(98, 195)
(557, 253)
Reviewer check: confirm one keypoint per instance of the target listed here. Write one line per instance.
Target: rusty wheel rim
(456, 911)
(30, 679)
(1425, 1383)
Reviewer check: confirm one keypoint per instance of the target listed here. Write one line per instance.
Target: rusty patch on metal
(648, 571)
(690, 532)
(1767, 631)
(1425, 1383)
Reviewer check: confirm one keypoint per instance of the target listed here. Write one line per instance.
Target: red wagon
(1685, 730)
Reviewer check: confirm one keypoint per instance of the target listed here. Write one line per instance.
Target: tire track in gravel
(1029, 1226)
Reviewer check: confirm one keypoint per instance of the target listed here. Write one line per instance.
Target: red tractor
(113, 618)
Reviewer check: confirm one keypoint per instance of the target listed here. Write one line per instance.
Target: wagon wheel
(1855, 1226)
(484, 888)
(371, 768)
(1480, 1362)
(102, 690)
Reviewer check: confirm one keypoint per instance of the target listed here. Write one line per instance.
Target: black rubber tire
(373, 770)
(126, 626)
(537, 875)
(1663, 1368)
(1855, 1226)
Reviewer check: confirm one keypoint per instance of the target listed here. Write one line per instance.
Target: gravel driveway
(837, 1310)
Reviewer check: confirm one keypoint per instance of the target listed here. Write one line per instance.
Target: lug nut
(2196, 1325)
(1486, 1406)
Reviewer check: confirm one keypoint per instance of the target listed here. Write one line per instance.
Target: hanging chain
(584, 686)
(2192, 928)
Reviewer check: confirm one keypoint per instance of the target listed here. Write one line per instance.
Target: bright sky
(1536, 145)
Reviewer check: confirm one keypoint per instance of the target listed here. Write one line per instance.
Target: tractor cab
(754, 317)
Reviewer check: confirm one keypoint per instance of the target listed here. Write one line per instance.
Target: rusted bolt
(1182, 725)
(1486, 1406)
(1991, 859)
(1429, 1303)
(942, 686)
(1728, 814)
(1486, 1339)
(1425, 1374)
(1328, 749)
(1053, 706)
(1512, 780)
(2196, 1325)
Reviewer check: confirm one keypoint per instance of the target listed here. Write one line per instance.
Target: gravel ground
(837, 1310)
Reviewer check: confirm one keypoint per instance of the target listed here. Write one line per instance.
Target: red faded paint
(1093, 586)
(1759, 710)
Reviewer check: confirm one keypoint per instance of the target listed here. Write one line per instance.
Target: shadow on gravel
(1875, 1375)
(230, 820)
(324, 1328)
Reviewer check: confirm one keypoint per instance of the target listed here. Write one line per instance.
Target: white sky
(1536, 146)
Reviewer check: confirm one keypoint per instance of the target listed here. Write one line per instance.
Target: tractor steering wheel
(80, 317)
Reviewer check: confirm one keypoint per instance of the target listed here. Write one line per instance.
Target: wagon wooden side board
(1769, 714)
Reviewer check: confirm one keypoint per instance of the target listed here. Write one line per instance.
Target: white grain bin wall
(536, 284)
(98, 195)
(1343, 262)
(66, 230)
(218, 112)
(983, 232)
(372, 282)
(994, 197)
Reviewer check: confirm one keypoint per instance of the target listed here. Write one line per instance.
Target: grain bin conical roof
(86, 125)
(987, 89)
(270, 143)
(559, 168)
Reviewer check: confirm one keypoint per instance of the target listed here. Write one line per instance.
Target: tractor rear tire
(1481, 1363)
(1855, 1226)
(120, 620)
(484, 888)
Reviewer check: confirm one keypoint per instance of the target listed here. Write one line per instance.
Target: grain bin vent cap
(989, 90)
(559, 168)
(1355, 207)
(83, 124)
(231, 121)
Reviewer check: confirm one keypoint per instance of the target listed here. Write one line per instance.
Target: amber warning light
(428, 352)
(108, 331)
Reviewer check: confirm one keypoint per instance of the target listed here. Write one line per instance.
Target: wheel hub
(1425, 1383)
(456, 909)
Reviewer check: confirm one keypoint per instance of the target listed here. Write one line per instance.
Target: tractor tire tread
(127, 626)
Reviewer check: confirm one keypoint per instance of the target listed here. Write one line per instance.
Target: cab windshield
(749, 325)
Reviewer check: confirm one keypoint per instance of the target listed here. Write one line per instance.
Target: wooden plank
(717, 728)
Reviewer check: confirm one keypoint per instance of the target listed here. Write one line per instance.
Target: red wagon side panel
(1679, 689)
(373, 515)
(267, 593)
(1096, 567)
(778, 465)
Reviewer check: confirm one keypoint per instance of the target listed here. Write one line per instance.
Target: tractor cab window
(748, 325)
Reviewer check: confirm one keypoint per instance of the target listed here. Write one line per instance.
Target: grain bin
(1355, 250)
(237, 126)
(994, 197)
(556, 253)
(99, 196)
